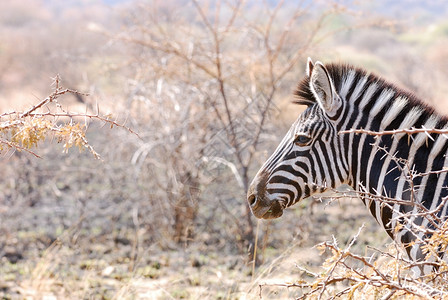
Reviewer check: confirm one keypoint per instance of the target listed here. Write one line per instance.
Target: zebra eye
(302, 140)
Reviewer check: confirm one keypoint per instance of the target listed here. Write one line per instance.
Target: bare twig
(397, 131)
(23, 130)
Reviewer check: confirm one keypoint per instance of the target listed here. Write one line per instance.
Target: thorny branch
(358, 274)
(410, 131)
(22, 131)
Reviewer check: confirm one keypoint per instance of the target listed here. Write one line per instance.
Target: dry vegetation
(24, 130)
(162, 215)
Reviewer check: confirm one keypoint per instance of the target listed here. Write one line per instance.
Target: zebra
(316, 155)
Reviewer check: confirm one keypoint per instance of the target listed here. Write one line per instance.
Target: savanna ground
(207, 88)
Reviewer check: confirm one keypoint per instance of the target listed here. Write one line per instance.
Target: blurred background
(208, 87)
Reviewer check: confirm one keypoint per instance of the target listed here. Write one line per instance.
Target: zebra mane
(340, 72)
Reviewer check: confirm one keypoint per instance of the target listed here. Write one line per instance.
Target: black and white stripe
(314, 156)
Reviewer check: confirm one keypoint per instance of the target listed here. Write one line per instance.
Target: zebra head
(308, 159)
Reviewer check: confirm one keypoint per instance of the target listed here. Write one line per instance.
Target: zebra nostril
(252, 199)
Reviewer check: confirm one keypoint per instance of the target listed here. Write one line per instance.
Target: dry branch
(398, 131)
(22, 131)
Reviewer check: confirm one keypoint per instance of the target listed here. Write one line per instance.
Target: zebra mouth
(272, 211)
(260, 204)
(275, 211)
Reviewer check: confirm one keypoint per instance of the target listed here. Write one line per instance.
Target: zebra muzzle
(265, 209)
(261, 206)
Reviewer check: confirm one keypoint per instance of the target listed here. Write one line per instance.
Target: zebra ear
(322, 87)
(309, 67)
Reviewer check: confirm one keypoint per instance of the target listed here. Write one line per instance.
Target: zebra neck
(389, 167)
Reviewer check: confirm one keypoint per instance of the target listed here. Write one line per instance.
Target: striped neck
(373, 104)
(381, 166)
